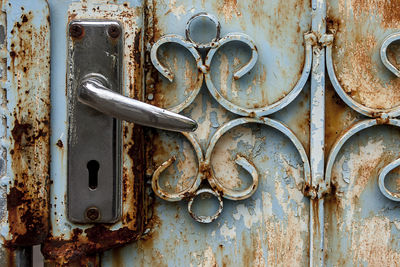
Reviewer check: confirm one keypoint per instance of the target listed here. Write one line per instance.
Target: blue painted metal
(25, 109)
(317, 134)
(360, 226)
(90, 237)
(24, 128)
(205, 170)
(268, 120)
(276, 212)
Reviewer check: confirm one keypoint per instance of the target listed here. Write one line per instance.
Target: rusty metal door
(294, 161)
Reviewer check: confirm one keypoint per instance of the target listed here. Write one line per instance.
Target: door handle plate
(94, 138)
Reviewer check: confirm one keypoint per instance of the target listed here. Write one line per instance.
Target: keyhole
(93, 168)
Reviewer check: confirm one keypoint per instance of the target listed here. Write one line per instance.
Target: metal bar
(23, 257)
(317, 134)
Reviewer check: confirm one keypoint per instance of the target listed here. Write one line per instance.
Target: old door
(294, 160)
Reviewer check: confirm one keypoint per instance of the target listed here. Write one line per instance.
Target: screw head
(114, 31)
(76, 31)
(93, 213)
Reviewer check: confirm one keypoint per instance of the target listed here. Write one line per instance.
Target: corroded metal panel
(361, 224)
(25, 81)
(67, 241)
(271, 227)
(290, 166)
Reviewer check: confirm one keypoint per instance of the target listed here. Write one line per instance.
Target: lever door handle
(93, 92)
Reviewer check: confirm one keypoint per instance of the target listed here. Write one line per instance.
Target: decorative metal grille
(259, 115)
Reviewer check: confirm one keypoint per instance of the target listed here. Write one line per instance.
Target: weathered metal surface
(25, 127)
(352, 217)
(93, 137)
(205, 172)
(271, 226)
(67, 241)
(361, 223)
(360, 28)
(317, 133)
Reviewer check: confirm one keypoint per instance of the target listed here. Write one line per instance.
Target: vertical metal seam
(317, 133)
(3, 143)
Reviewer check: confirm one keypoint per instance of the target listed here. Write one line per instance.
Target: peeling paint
(27, 116)
(272, 227)
(68, 242)
(360, 28)
(357, 207)
(278, 197)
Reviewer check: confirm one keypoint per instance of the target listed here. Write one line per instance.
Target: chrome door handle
(93, 92)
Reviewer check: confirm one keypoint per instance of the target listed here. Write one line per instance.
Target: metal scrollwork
(214, 187)
(389, 40)
(378, 116)
(382, 175)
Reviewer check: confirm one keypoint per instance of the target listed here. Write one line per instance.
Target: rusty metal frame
(25, 127)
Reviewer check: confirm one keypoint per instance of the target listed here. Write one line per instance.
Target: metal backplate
(94, 138)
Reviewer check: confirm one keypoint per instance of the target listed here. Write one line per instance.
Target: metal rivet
(114, 31)
(75, 31)
(150, 96)
(92, 213)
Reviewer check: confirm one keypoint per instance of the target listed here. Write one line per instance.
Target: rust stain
(10, 257)
(229, 9)
(369, 234)
(282, 19)
(166, 93)
(299, 122)
(356, 50)
(283, 237)
(359, 74)
(152, 34)
(338, 116)
(386, 11)
(314, 205)
(86, 261)
(253, 255)
(101, 237)
(90, 241)
(148, 240)
(381, 120)
(27, 200)
(60, 143)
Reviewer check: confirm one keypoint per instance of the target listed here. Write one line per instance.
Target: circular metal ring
(205, 219)
(211, 18)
